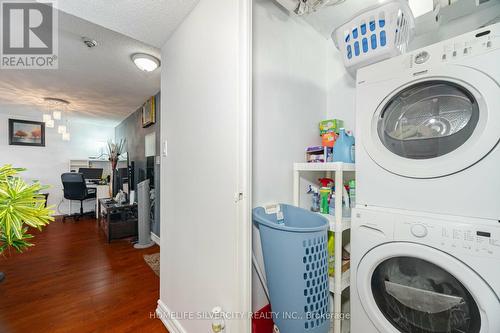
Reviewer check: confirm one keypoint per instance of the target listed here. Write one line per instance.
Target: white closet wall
(296, 84)
(341, 94)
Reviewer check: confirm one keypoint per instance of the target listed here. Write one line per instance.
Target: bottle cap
(325, 181)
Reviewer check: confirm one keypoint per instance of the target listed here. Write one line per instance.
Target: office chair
(76, 189)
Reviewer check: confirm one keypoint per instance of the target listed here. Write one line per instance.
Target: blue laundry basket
(296, 262)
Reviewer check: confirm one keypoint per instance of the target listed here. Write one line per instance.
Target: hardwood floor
(72, 280)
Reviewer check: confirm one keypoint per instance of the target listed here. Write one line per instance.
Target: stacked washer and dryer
(426, 231)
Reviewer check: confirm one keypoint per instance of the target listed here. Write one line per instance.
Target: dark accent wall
(131, 130)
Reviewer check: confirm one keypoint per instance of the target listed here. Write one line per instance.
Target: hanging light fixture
(47, 117)
(56, 109)
(65, 135)
(50, 123)
(61, 129)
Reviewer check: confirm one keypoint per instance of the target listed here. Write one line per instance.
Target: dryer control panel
(418, 62)
(453, 237)
(456, 49)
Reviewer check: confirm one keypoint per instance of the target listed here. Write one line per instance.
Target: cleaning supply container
(343, 149)
(294, 244)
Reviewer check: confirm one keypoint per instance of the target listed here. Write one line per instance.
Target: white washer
(424, 273)
(428, 128)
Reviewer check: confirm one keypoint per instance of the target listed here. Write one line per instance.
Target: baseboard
(155, 238)
(172, 324)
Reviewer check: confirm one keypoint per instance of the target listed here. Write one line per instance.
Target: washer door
(435, 126)
(411, 288)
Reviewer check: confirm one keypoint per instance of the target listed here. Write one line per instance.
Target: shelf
(346, 223)
(330, 166)
(346, 281)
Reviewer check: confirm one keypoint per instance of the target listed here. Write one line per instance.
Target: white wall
(205, 248)
(341, 89)
(289, 99)
(46, 164)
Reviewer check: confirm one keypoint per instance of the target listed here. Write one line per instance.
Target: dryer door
(437, 125)
(411, 288)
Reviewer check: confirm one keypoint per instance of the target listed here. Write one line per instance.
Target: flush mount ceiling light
(145, 62)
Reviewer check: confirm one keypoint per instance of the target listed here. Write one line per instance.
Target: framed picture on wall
(149, 112)
(26, 133)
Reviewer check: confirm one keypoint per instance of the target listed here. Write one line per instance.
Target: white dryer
(428, 128)
(424, 273)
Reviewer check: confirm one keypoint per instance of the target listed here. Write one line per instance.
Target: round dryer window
(417, 296)
(428, 119)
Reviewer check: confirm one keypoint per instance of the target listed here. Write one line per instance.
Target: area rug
(153, 260)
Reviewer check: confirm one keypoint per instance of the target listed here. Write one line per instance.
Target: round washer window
(428, 119)
(417, 296)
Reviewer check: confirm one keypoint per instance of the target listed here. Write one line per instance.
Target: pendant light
(56, 112)
(61, 129)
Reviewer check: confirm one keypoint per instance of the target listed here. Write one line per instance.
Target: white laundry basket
(375, 34)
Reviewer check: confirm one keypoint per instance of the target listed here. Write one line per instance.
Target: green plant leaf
(21, 206)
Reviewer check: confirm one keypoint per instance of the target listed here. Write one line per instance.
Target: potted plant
(115, 150)
(21, 207)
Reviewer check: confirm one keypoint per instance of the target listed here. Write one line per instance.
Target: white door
(411, 288)
(205, 171)
(433, 126)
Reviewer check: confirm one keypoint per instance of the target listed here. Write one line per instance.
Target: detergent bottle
(324, 195)
(350, 136)
(343, 148)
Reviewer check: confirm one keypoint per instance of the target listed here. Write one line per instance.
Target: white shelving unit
(338, 225)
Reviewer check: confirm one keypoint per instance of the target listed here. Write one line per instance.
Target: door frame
(244, 194)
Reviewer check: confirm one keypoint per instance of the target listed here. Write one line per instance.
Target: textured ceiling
(150, 21)
(102, 84)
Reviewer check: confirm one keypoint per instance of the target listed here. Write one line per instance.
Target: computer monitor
(91, 173)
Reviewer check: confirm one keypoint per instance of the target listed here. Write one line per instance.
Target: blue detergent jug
(343, 150)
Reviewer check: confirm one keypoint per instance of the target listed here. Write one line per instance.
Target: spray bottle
(315, 198)
(324, 195)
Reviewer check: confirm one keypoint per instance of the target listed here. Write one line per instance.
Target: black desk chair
(76, 189)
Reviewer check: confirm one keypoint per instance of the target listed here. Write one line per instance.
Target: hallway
(72, 280)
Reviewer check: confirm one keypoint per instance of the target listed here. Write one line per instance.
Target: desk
(102, 192)
(118, 220)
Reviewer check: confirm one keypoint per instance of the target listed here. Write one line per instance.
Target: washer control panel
(474, 239)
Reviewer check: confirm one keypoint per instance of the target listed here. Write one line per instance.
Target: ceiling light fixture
(61, 129)
(56, 111)
(50, 123)
(145, 62)
(47, 117)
